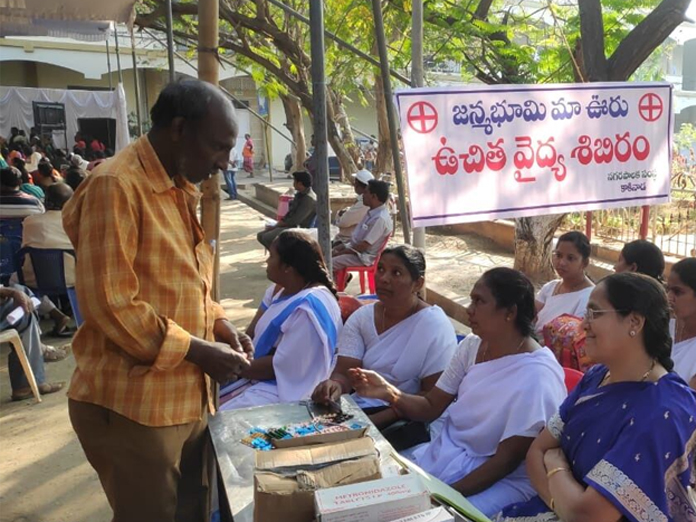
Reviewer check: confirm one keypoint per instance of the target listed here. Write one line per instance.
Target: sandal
(44, 389)
(53, 354)
(61, 329)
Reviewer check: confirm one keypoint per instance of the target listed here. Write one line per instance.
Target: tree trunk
(348, 166)
(384, 162)
(295, 124)
(338, 111)
(533, 241)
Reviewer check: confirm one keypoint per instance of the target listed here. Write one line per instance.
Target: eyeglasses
(591, 314)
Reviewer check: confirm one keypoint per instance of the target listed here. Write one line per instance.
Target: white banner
(490, 152)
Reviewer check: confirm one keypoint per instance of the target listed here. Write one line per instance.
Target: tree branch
(637, 46)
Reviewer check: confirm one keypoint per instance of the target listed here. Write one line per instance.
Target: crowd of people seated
(36, 181)
(493, 416)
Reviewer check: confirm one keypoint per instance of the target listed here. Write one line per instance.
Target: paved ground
(43, 473)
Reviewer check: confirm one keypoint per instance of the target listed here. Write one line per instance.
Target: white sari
(507, 397)
(572, 303)
(302, 329)
(419, 346)
(683, 355)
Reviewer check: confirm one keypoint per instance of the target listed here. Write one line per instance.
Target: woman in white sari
(400, 336)
(506, 386)
(681, 289)
(570, 293)
(295, 329)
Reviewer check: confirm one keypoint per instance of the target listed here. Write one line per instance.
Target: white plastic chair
(12, 337)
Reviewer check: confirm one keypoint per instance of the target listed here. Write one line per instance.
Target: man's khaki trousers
(148, 474)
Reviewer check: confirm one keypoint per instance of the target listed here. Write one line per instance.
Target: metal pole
(321, 180)
(208, 71)
(266, 139)
(170, 41)
(136, 85)
(118, 55)
(384, 65)
(417, 80)
(108, 62)
(339, 41)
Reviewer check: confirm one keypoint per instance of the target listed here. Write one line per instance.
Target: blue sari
(633, 442)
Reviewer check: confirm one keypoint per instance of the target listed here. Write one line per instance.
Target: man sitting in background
(349, 217)
(302, 211)
(370, 234)
(46, 231)
(27, 326)
(13, 202)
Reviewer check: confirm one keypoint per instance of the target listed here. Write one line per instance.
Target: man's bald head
(192, 100)
(57, 195)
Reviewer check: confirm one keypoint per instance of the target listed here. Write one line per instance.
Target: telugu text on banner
(490, 152)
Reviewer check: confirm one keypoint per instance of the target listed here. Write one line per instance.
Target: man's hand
(22, 300)
(218, 360)
(225, 332)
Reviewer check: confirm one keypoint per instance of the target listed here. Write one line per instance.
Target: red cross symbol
(650, 107)
(422, 117)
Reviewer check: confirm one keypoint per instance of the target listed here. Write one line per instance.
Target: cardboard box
(286, 479)
(376, 501)
(438, 514)
(322, 438)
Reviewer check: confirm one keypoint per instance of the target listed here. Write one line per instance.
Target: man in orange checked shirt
(152, 336)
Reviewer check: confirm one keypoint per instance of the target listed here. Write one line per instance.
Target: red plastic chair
(572, 378)
(348, 305)
(368, 271)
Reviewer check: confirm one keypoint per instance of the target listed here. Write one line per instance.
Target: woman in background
(681, 290)
(643, 257)
(569, 293)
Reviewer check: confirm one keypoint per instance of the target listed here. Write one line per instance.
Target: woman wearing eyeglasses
(622, 444)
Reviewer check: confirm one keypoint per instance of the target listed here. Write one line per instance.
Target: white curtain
(16, 109)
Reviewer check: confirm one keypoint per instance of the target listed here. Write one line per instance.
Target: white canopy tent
(78, 19)
(16, 110)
